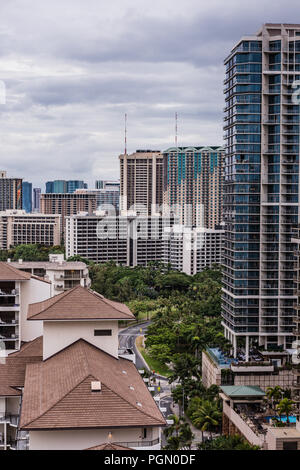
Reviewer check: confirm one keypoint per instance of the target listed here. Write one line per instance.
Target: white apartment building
(128, 239)
(191, 250)
(18, 227)
(62, 274)
(17, 290)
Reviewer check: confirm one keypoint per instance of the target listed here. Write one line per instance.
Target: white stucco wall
(59, 334)
(83, 439)
(32, 291)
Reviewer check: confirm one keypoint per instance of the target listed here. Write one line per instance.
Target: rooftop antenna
(176, 131)
(125, 133)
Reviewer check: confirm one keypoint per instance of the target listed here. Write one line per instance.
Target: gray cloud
(72, 68)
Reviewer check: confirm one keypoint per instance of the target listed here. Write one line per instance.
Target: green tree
(207, 417)
(285, 407)
(227, 443)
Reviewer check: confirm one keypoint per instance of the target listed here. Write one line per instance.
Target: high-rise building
(72, 185)
(68, 204)
(27, 196)
(127, 239)
(63, 186)
(107, 199)
(10, 192)
(191, 250)
(193, 184)
(36, 199)
(21, 228)
(141, 181)
(108, 185)
(261, 190)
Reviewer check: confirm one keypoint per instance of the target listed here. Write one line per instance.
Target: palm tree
(285, 407)
(207, 417)
(178, 434)
(274, 394)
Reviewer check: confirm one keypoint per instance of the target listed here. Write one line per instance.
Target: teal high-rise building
(193, 184)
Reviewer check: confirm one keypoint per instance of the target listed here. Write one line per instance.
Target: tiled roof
(78, 303)
(11, 376)
(57, 392)
(242, 391)
(9, 273)
(12, 368)
(109, 446)
(32, 348)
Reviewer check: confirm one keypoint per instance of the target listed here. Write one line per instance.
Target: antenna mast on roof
(176, 131)
(125, 133)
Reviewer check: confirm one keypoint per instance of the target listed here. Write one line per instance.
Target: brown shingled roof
(9, 273)
(57, 392)
(12, 368)
(78, 303)
(29, 349)
(109, 446)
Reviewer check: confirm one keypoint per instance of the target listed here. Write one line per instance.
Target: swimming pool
(292, 419)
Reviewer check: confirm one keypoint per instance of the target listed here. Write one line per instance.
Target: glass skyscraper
(27, 196)
(261, 190)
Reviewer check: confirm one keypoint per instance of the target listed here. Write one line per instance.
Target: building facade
(20, 228)
(10, 192)
(141, 182)
(64, 186)
(68, 204)
(36, 199)
(63, 275)
(193, 184)
(261, 191)
(27, 196)
(192, 250)
(127, 239)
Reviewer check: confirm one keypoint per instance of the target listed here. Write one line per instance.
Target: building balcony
(10, 419)
(154, 444)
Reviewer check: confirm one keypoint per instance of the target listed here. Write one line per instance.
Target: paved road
(127, 340)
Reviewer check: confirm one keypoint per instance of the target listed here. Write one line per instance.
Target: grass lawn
(154, 364)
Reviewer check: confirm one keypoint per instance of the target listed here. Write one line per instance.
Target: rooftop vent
(96, 386)
(131, 387)
(124, 372)
(139, 404)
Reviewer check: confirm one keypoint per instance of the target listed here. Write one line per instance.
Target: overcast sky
(73, 68)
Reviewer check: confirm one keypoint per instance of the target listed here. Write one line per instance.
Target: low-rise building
(17, 290)
(18, 227)
(246, 413)
(62, 274)
(260, 370)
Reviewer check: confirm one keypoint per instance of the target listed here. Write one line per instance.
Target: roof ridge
(15, 270)
(62, 295)
(105, 301)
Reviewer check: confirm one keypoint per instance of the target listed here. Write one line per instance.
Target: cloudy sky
(73, 68)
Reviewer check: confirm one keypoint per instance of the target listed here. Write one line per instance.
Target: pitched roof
(29, 349)
(12, 370)
(9, 273)
(242, 391)
(57, 392)
(78, 303)
(109, 446)
(11, 376)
